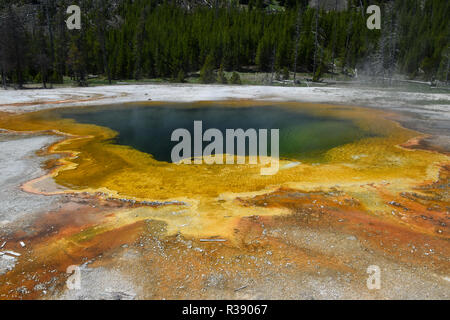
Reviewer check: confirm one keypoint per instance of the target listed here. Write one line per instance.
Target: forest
(170, 40)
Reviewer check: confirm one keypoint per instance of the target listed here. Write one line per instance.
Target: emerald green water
(149, 128)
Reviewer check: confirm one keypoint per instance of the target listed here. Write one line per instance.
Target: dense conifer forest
(170, 40)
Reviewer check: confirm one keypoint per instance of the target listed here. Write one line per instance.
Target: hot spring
(303, 135)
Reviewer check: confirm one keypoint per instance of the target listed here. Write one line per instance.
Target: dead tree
(316, 38)
(389, 39)
(274, 53)
(298, 23)
(447, 55)
(333, 56)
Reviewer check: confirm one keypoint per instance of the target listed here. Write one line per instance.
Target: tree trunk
(273, 64)
(316, 39)
(3, 79)
(18, 67)
(52, 45)
(333, 57)
(448, 67)
(297, 39)
(105, 59)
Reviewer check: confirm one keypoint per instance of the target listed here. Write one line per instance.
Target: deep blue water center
(147, 128)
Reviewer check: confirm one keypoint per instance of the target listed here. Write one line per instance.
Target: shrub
(235, 78)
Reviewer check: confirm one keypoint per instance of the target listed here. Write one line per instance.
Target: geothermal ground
(287, 241)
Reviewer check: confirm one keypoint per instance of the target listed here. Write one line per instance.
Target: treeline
(135, 39)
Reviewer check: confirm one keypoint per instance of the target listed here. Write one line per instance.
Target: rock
(22, 290)
(7, 263)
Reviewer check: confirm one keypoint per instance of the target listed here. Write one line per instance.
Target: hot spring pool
(303, 135)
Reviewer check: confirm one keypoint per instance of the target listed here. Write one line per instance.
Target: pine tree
(207, 74)
(298, 23)
(181, 77)
(221, 78)
(127, 39)
(235, 78)
(14, 43)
